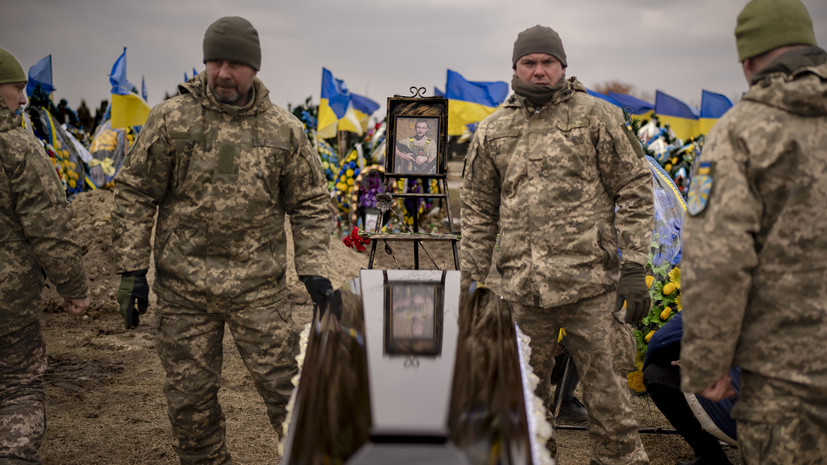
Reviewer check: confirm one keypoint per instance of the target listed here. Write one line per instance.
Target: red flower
(356, 241)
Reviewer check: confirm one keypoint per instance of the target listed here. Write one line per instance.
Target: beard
(226, 91)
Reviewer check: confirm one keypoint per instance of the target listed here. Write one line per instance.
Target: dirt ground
(105, 403)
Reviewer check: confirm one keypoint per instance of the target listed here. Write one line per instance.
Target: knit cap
(10, 69)
(765, 25)
(233, 38)
(538, 39)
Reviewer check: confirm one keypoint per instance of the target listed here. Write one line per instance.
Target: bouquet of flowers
(356, 240)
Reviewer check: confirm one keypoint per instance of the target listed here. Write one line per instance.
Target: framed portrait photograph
(417, 137)
(413, 319)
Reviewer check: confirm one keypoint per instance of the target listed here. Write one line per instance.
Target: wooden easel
(419, 108)
(416, 236)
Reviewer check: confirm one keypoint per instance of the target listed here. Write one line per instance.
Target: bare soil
(105, 403)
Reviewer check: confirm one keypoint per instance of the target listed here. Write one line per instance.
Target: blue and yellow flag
(603, 96)
(143, 89)
(117, 77)
(40, 74)
(333, 104)
(358, 113)
(128, 109)
(471, 102)
(640, 109)
(682, 118)
(713, 106)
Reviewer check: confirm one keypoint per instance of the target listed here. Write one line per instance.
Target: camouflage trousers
(602, 347)
(189, 344)
(780, 422)
(22, 398)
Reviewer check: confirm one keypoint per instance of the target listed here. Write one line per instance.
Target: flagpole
(340, 138)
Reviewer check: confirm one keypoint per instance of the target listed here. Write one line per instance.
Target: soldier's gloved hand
(133, 297)
(318, 287)
(632, 287)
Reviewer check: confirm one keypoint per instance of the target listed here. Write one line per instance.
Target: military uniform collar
(198, 88)
(8, 120)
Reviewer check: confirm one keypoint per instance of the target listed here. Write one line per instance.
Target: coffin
(406, 367)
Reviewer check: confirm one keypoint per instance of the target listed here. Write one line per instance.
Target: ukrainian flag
(358, 114)
(603, 96)
(682, 118)
(471, 102)
(640, 109)
(713, 106)
(40, 74)
(128, 109)
(334, 102)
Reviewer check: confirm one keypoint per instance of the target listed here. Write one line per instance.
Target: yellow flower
(675, 275)
(669, 288)
(649, 336)
(649, 281)
(678, 303)
(665, 313)
(635, 381)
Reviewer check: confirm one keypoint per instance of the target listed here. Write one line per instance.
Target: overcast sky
(383, 47)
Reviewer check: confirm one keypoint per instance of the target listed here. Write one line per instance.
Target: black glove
(632, 287)
(318, 287)
(133, 289)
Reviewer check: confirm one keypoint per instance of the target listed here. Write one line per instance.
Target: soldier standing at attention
(755, 248)
(557, 174)
(36, 238)
(221, 166)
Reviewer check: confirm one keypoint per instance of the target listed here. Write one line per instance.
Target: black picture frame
(409, 153)
(413, 319)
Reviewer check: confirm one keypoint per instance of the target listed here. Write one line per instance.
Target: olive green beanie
(10, 69)
(765, 25)
(538, 39)
(233, 38)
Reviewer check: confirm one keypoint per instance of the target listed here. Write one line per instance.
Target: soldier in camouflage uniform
(222, 166)
(36, 238)
(754, 282)
(557, 174)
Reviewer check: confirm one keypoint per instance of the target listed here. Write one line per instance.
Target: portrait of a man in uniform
(415, 150)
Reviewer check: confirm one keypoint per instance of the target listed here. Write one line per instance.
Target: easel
(416, 236)
(405, 108)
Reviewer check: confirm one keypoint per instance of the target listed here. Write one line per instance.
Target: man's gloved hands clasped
(133, 296)
(631, 287)
(318, 287)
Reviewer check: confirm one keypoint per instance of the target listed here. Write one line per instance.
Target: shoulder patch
(700, 188)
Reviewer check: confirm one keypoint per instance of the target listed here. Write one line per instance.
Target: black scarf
(537, 94)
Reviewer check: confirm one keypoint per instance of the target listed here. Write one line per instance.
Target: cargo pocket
(623, 341)
(763, 410)
(768, 427)
(185, 144)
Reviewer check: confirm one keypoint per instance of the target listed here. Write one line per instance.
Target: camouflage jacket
(548, 181)
(35, 228)
(222, 179)
(754, 266)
